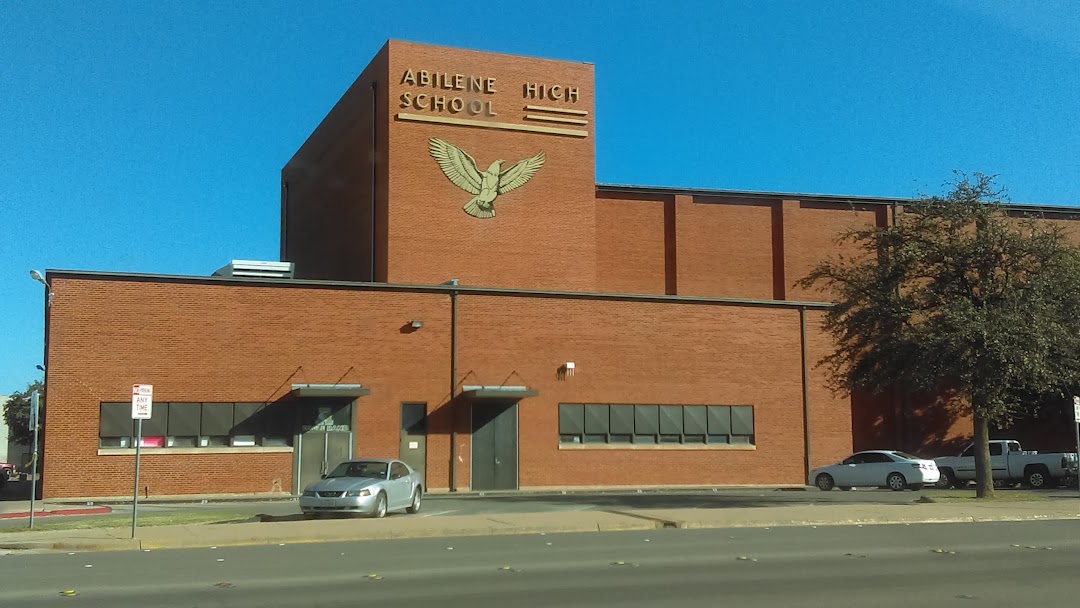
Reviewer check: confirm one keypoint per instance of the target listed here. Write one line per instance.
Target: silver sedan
(366, 486)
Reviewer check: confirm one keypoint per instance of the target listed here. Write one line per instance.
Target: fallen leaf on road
(68, 593)
(224, 585)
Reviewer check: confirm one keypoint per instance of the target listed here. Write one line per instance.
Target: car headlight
(309, 492)
(364, 492)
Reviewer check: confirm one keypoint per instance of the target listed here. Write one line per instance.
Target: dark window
(217, 419)
(671, 417)
(995, 449)
(596, 419)
(184, 419)
(695, 420)
(247, 419)
(652, 424)
(571, 419)
(719, 420)
(969, 452)
(414, 418)
(192, 424)
(622, 420)
(646, 420)
(398, 470)
(742, 420)
(116, 420)
(874, 458)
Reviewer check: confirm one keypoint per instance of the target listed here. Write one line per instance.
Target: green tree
(960, 297)
(17, 412)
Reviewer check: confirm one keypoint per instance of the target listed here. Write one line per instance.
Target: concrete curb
(115, 544)
(695, 525)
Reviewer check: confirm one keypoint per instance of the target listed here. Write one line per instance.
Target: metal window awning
(329, 390)
(497, 392)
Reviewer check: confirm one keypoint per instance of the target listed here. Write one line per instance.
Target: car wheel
(824, 482)
(896, 482)
(414, 506)
(380, 506)
(946, 480)
(1037, 478)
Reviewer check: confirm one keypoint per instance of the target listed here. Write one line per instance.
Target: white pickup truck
(1010, 463)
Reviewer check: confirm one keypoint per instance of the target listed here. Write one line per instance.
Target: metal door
(413, 448)
(494, 447)
(319, 453)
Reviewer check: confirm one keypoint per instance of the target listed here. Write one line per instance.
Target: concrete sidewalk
(405, 526)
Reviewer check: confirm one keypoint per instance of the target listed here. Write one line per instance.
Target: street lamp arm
(40, 279)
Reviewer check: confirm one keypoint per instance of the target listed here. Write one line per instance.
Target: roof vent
(256, 269)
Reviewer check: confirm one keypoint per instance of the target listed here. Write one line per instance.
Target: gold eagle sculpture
(461, 169)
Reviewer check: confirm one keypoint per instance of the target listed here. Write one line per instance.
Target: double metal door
(321, 451)
(494, 447)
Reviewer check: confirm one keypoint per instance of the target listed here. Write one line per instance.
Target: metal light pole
(34, 405)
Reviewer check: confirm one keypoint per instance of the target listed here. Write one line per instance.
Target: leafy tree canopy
(17, 412)
(959, 296)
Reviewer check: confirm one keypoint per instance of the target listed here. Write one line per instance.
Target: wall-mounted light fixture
(416, 324)
(565, 370)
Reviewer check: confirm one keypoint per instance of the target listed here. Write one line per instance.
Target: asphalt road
(824, 566)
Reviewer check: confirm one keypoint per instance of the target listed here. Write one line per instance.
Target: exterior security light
(416, 324)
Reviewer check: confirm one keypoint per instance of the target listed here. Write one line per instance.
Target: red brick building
(594, 336)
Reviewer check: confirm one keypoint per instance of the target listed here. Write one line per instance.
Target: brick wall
(631, 253)
(328, 219)
(223, 341)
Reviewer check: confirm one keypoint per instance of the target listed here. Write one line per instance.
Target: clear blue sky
(149, 136)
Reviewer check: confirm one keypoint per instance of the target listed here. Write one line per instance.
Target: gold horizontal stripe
(565, 121)
(505, 126)
(557, 110)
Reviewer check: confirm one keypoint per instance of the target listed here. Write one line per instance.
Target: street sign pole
(35, 402)
(135, 494)
(142, 402)
(1076, 427)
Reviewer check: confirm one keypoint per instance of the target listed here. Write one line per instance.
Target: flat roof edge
(419, 288)
(806, 196)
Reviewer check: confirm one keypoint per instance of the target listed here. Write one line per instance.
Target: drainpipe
(453, 385)
(805, 392)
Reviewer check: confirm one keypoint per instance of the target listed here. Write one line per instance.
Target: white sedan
(877, 469)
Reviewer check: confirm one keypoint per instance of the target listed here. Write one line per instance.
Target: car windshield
(906, 455)
(364, 469)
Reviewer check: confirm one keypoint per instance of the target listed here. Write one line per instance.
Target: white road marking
(439, 513)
